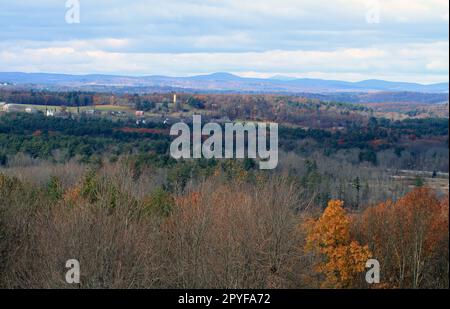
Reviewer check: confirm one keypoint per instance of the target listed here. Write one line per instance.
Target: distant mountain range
(217, 82)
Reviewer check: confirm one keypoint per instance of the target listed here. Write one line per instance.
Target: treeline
(375, 136)
(291, 109)
(89, 139)
(35, 97)
(297, 110)
(41, 136)
(233, 229)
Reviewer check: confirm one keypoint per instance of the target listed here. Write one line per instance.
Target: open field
(73, 109)
(409, 178)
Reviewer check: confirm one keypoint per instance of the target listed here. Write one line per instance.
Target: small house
(30, 110)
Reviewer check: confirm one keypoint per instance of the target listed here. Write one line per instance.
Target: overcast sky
(328, 39)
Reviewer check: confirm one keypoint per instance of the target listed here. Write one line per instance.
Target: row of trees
(232, 229)
(370, 140)
(408, 237)
(71, 98)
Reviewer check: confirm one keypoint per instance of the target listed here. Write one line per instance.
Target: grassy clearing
(103, 108)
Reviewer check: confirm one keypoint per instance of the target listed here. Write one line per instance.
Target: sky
(352, 40)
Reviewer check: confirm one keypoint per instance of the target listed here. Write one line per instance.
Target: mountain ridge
(220, 81)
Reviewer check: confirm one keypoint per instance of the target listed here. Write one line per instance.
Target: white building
(31, 110)
(14, 108)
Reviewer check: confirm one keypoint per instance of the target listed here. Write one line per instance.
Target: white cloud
(328, 39)
(415, 62)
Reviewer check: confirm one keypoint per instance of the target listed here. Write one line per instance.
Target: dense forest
(91, 138)
(233, 229)
(349, 186)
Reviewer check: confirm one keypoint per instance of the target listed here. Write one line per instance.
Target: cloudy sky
(399, 40)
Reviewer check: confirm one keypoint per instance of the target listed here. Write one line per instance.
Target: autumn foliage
(342, 258)
(409, 237)
(258, 232)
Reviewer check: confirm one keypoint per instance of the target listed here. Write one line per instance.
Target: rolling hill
(217, 82)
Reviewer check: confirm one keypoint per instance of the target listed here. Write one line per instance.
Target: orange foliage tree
(342, 258)
(409, 237)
